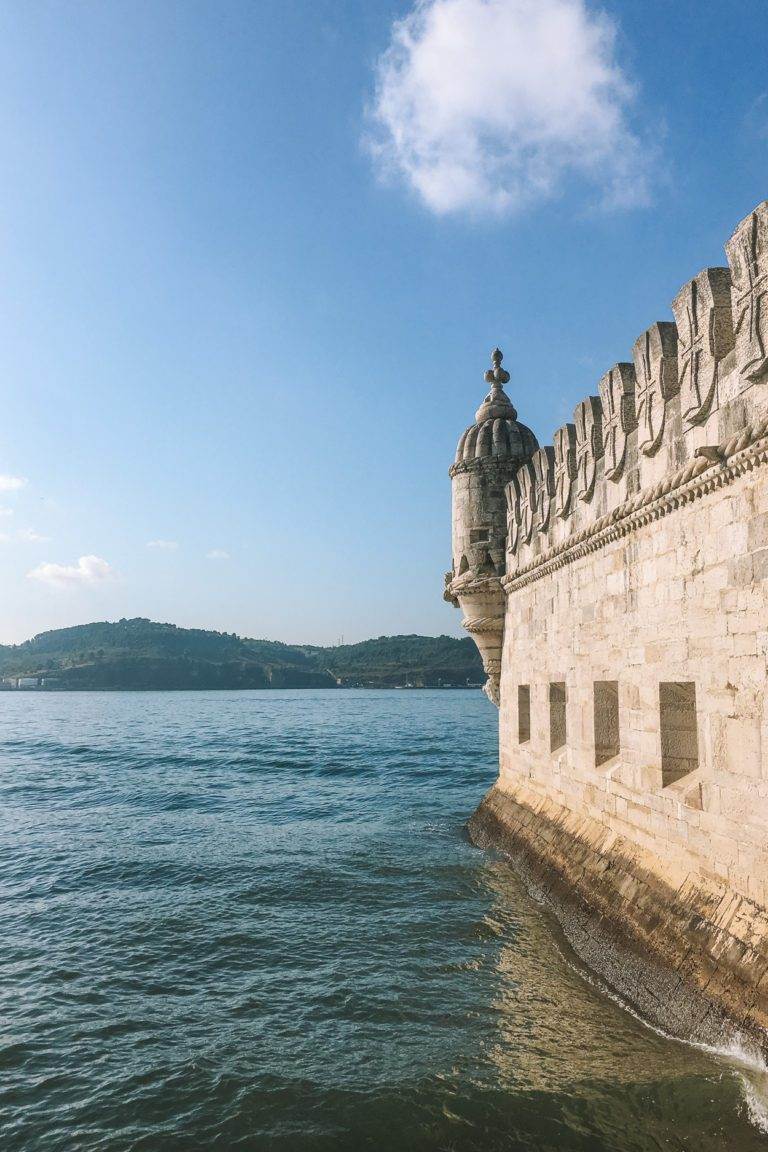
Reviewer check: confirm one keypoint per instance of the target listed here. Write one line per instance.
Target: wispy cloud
(488, 106)
(11, 483)
(217, 554)
(87, 571)
(756, 118)
(4, 511)
(30, 536)
(163, 545)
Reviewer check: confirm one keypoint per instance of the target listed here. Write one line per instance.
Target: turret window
(557, 715)
(523, 713)
(606, 717)
(478, 535)
(679, 738)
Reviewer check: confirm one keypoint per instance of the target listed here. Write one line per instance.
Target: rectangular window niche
(523, 713)
(606, 704)
(557, 729)
(679, 739)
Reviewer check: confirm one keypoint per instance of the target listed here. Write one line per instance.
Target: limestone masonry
(616, 585)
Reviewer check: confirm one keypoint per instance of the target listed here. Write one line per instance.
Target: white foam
(739, 1052)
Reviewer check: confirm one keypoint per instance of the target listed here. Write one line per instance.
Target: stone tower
(487, 457)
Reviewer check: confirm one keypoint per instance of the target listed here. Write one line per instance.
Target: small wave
(756, 1103)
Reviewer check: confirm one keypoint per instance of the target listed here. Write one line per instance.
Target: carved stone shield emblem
(526, 487)
(512, 494)
(565, 468)
(617, 396)
(544, 470)
(702, 311)
(747, 253)
(655, 358)
(588, 418)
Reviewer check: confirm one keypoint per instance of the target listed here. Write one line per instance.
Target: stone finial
(544, 469)
(617, 396)
(747, 252)
(655, 358)
(565, 468)
(702, 311)
(496, 403)
(496, 375)
(588, 418)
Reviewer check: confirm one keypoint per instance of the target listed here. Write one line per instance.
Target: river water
(251, 920)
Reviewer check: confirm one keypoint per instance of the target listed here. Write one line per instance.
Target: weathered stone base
(691, 958)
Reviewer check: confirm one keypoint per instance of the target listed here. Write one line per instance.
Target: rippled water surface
(252, 921)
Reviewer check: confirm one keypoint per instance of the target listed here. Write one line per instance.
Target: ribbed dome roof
(496, 431)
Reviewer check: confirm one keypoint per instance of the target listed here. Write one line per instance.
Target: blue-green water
(252, 921)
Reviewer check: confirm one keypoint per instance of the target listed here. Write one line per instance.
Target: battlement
(695, 387)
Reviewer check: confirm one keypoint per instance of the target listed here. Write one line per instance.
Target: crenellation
(655, 358)
(525, 489)
(544, 471)
(747, 252)
(702, 311)
(565, 470)
(617, 396)
(588, 420)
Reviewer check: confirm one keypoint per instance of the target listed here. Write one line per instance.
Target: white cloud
(5, 511)
(30, 536)
(217, 554)
(490, 105)
(163, 545)
(11, 483)
(88, 570)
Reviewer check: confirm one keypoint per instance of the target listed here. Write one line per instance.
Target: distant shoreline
(64, 691)
(143, 655)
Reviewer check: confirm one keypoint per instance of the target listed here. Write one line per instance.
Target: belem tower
(616, 585)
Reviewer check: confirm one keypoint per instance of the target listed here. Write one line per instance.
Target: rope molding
(741, 453)
(484, 624)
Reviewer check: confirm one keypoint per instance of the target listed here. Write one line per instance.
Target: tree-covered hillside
(142, 654)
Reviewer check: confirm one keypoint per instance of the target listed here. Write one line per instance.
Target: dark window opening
(679, 738)
(557, 719)
(606, 704)
(523, 713)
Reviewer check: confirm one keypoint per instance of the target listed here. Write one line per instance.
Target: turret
(488, 455)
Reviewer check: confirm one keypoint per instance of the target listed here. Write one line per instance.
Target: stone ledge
(689, 955)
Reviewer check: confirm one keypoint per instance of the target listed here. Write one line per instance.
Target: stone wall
(635, 646)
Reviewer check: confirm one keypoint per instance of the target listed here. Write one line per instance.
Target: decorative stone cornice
(481, 464)
(484, 624)
(709, 470)
(480, 586)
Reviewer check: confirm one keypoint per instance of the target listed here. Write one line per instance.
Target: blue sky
(255, 256)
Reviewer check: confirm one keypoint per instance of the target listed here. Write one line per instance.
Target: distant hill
(141, 654)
